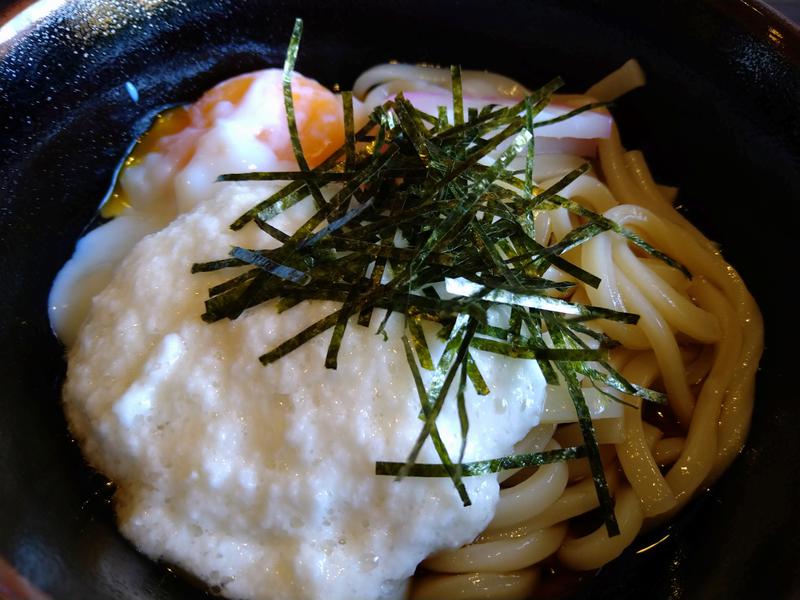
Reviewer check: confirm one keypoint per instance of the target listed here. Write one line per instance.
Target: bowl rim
(753, 16)
(764, 22)
(756, 16)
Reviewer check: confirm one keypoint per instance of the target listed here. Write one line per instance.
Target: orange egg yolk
(175, 132)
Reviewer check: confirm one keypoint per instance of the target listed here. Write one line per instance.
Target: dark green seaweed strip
(458, 95)
(514, 127)
(249, 294)
(305, 176)
(570, 374)
(580, 210)
(463, 415)
(441, 233)
(443, 123)
(281, 204)
(343, 195)
(478, 382)
(452, 471)
(287, 191)
(299, 339)
(393, 252)
(564, 265)
(232, 300)
(288, 99)
(534, 326)
(385, 297)
(496, 332)
(592, 448)
(234, 282)
(469, 288)
(271, 231)
(485, 244)
(605, 340)
(394, 221)
(335, 225)
(611, 396)
(418, 135)
(331, 357)
(415, 374)
(478, 125)
(614, 380)
(454, 353)
(530, 153)
(559, 185)
(514, 324)
(531, 352)
(349, 131)
(432, 120)
(527, 285)
(216, 265)
(288, 102)
(575, 238)
(557, 261)
(612, 377)
(572, 113)
(365, 316)
(420, 343)
(484, 123)
(485, 467)
(291, 193)
(270, 266)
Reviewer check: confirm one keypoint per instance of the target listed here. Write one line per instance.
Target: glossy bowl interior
(719, 118)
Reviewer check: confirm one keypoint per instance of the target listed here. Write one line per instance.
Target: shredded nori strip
(485, 467)
(458, 96)
(474, 374)
(454, 354)
(420, 343)
(452, 471)
(270, 266)
(349, 131)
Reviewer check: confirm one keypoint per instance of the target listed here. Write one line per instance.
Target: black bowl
(719, 118)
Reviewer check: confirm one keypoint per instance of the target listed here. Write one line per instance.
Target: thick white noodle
(617, 83)
(502, 555)
(474, 83)
(635, 452)
(597, 548)
(535, 441)
(531, 496)
(576, 500)
(478, 586)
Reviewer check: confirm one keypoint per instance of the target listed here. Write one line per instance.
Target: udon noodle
(698, 339)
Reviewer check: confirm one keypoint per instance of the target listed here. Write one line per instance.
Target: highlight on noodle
(567, 360)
